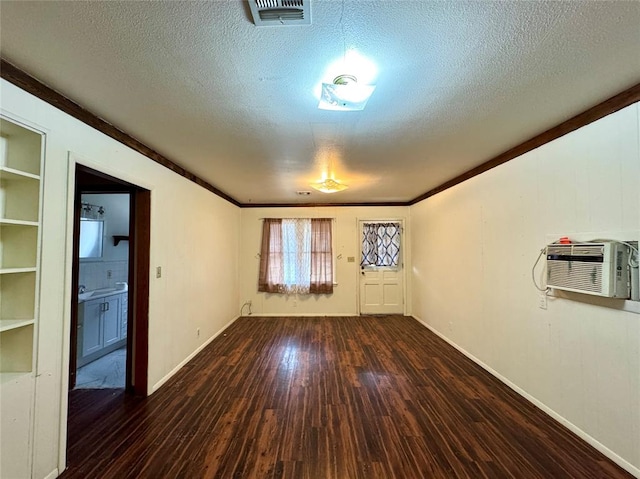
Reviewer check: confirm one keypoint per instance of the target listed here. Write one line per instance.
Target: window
(380, 244)
(296, 256)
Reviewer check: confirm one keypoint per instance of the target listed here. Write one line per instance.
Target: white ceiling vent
(280, 12)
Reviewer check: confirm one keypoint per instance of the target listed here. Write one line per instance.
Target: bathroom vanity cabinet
(102, 326)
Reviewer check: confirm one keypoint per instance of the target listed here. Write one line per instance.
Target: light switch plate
(351, 259)
(159, 272)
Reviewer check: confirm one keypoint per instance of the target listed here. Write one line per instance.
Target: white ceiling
(457, 83)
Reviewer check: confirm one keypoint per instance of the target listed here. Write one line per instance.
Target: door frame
(404, 255)
(138, 277)
(139, 242)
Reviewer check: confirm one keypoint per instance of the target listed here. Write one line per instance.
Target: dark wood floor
(367, 397)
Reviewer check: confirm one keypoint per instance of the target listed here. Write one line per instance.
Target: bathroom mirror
(91, 236)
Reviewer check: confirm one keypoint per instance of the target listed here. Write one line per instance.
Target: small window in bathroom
(91, 236)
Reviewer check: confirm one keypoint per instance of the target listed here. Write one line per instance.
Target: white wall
(473, 247)
(344, 300)
(194, 237)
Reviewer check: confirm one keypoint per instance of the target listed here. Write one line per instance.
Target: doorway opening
(110, 274)
(103, 291)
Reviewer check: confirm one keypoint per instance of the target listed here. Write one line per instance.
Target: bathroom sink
(95, 293)
(98, 292)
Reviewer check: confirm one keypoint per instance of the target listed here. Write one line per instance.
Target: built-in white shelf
(20, 148)
(7, 173)
(18, 246)
(21, 152)
(8, 221)
(17, 270)
(20, 195)
(9, 324)
(18, 292)
(16, 349)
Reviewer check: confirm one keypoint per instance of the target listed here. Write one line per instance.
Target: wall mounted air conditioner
(599, 268)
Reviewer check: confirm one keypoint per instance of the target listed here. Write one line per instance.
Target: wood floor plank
(325, 397)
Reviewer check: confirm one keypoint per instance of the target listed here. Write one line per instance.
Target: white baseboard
(53, 474)
(562, 420)
(302, 315)
(168, 376)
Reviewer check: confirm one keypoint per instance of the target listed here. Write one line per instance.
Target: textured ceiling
(457, 83)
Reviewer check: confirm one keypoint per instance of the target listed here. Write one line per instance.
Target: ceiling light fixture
(345, 94)
(329, 185)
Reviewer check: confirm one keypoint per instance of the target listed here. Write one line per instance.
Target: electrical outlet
(109, 274)
(159, 272)
(295, 303)
(542, 300)
(351, 259)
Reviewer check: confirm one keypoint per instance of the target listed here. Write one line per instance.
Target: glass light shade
(329, 186)
(345, 97)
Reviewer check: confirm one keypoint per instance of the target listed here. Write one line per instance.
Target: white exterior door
(381, 272)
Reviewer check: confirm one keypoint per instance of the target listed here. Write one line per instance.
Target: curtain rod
(299, 218)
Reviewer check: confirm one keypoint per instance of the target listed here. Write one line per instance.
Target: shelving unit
(20, 186)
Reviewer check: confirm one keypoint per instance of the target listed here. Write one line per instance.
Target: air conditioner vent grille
(575, 275)
(280, 12)
(279, 3)
(596, 249)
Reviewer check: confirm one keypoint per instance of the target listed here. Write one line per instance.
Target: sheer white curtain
(296, 250)
(296, 256)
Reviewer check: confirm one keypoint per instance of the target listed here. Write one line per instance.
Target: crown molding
(23, 80)
(607, 107)
(321, 205)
